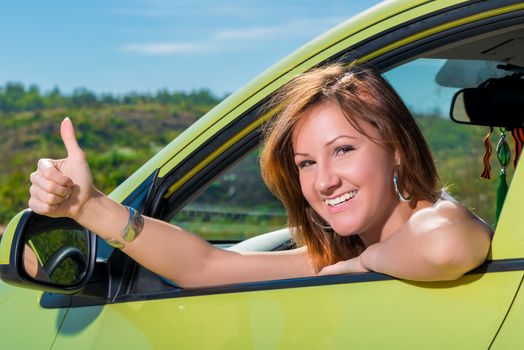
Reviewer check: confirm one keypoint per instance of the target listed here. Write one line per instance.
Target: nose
(326, 180)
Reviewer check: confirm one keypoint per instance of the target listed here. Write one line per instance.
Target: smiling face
(344, 175)
(346, 180)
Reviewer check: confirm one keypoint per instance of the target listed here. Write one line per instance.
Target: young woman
(350, 165)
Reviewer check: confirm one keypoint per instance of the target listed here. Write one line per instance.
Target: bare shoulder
(451, 236)
(448, 214)
(460, 218)
(453, 224)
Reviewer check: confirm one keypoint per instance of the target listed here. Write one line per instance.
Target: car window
(238, 205)
(235, 206)
(427, 86)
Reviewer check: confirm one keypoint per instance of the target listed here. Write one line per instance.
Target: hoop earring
(399, 194)
(311, 213)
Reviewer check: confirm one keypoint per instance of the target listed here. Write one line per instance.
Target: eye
(305, 163)
(344, 149)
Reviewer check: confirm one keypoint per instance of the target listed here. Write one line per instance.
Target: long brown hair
(363, 96)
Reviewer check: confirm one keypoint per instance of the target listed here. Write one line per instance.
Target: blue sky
(119, 46)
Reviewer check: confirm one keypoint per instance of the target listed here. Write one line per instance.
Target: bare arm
(65, 188)
(187, 259)
(440, 243)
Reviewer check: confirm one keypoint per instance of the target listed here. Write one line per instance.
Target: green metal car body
(119, 304)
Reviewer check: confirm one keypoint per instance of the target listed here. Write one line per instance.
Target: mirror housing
(497, 102)
(51, 254)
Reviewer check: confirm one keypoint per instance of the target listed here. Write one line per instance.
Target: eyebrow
(327, 144)
(339, 137)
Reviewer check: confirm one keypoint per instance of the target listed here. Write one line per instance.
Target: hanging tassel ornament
(487, 146)
(503, 156)
(518, 140)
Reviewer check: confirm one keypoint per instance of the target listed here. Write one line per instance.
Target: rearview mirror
(501, 105)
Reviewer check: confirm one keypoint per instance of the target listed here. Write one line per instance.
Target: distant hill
(120, 134)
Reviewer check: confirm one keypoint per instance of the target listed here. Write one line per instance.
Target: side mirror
(52, 254)
(501, 105)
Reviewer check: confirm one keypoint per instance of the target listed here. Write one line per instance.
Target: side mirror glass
(57, 256)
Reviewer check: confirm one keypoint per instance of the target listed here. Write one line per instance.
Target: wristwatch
(135, 224)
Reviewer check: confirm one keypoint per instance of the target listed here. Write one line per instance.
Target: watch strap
(135, 224)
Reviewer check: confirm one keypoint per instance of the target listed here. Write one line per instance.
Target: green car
(449, 57)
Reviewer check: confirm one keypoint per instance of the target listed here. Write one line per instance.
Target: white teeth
(342, 198)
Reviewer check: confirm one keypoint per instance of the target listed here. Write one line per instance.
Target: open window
(458, 149)
(234, 207)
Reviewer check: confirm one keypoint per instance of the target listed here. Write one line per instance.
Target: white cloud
(247, 33)
(123, 11)
(303, 26)
(167, 48)
(184, 8)
(230, 39)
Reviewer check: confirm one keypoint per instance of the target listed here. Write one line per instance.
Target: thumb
(67, 131)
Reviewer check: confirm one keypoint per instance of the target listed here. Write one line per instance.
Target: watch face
(134, 225)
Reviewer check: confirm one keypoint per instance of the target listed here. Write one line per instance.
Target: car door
(20, 313)
(360, 310)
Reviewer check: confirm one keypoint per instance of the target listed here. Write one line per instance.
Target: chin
(344, 231)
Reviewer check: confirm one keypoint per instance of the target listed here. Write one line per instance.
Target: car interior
(497, 58)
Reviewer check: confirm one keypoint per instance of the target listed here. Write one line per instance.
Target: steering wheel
(267, 242)
(61, 255)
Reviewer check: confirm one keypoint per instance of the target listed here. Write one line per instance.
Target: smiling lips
(341, 199)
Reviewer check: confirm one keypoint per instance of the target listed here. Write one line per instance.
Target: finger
(328, 270)
(322, 272)
(48, 170)
(50, 186)
(67, 131)
(45, 197)
(334, 269)
(41, 208)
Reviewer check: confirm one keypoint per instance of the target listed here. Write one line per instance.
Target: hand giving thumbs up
(62, 187)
